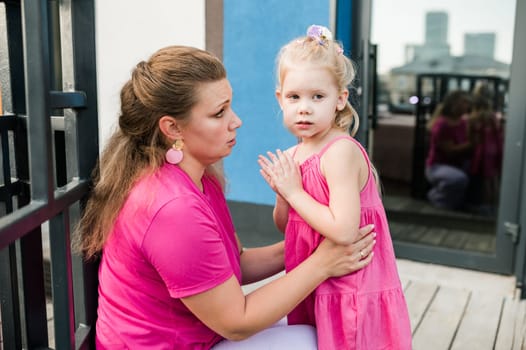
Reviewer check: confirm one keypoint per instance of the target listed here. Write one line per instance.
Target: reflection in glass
(441, 51)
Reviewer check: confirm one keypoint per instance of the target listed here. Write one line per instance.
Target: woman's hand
(339, 260)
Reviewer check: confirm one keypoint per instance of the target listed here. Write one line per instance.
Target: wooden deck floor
(453, 309)
(450, 308)
(416, 221)
(462, 309)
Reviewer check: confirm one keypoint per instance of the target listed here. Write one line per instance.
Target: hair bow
(320, 33)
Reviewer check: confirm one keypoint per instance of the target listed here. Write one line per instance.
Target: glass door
(441, 135)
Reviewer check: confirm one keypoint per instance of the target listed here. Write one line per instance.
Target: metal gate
(49, 140)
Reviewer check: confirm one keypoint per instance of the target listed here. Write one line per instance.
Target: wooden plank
(396, 229)
(419, 296)
(455, 240)
(507, 325)
(479, 243)
(522, 321)
(478, 327)
(437, 329)
(434, 236)
(414, 233)
(519, 322)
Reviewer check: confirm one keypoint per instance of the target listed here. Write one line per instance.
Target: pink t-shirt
(442, 131)
(169, 241)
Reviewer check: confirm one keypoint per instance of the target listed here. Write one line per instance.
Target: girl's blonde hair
(318, 48)
(166, 84)
(326, 53)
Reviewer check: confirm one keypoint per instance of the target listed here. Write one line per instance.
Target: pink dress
(365, 310)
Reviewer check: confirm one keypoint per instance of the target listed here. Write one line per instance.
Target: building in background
(436, 38)
(480, 44)
(434, 57)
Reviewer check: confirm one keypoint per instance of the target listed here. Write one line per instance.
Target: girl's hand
(281, 172)
(339, 260)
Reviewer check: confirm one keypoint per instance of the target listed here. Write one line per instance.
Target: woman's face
(463, 107)
(210, 133)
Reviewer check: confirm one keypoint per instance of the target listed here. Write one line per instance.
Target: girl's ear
(278, 97)
(170, 127)
(342, 100)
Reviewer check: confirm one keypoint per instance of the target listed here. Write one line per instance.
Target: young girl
(450, 151)
(332, 191)
(486, 163)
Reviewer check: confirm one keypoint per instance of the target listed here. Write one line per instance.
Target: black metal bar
(71, 99)
(85, 74)
(9, 300)
(374, 85)
(34, 299)
(8, 122)
(6, 197)
(418, 178)
(62, 284)
(16, 56)
(7, 191)
(60, 158)
(81, 163)
(22, 160)
(85, 289)
(82, 338)
(36, 212)
(38, 68)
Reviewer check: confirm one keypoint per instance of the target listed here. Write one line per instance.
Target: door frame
(353, 27)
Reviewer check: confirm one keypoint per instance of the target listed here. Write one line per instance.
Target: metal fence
(49, 143)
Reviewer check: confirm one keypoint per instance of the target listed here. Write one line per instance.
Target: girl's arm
(342, 165)
(236, 316)
(280, 213)
(262, 262)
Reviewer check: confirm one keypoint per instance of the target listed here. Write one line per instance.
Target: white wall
(128, 31)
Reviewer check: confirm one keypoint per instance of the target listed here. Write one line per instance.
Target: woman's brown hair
(166, 84)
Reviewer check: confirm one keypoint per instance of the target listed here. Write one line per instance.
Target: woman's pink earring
(175, 154)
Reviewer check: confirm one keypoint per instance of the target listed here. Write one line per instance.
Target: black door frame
(354, 17)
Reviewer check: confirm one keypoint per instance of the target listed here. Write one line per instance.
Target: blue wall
(254, 31)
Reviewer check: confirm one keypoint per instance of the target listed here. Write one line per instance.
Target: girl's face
(309, 98)
(210, 133)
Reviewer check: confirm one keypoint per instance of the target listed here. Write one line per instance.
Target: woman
(172, 266)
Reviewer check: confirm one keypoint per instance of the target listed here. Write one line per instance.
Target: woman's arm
(343, 164)
(262, 262)
(230, 313)
(445, 144)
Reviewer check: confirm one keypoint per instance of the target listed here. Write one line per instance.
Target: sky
(396, 23)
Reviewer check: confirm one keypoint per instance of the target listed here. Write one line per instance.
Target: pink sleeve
(437, 131)
(185, 247)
